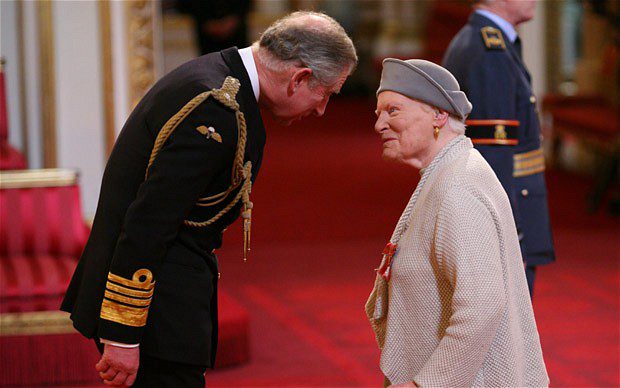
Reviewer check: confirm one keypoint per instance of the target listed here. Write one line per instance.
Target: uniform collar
(250, 66)
(502, 23)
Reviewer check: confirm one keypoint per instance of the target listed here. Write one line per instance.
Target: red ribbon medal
(385, 270)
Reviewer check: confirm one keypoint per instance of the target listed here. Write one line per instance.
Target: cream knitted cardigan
(456, 311)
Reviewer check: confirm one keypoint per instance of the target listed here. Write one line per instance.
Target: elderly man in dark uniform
(485, 57)
(181, 171)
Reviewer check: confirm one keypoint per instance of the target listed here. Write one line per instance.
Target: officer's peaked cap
(427, 82)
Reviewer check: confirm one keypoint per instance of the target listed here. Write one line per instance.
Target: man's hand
(118, 366)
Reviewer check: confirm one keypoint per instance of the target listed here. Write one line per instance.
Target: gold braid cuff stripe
(135, 282)
(241, 171)
(125, 315)
(135, 314)
(528, 163)
(529, 171)
(128, 291)
(529, 154)
(124, 299)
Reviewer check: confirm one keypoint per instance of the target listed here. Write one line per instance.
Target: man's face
(405, 126)
(304, 99)
(521, 10)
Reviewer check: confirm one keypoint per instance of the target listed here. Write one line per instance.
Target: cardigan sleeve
(469, 250)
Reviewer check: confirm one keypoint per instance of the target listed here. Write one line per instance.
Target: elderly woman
(450, 306)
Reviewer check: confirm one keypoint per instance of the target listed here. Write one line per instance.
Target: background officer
(485, 57)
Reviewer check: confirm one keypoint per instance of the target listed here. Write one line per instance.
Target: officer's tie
(517, 44)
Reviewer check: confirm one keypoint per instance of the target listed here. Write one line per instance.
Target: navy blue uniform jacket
(504, 126)
(141, 255)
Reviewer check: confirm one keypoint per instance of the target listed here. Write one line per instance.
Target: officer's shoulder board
(492, 38)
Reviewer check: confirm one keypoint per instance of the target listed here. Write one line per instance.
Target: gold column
(19, 7)
(140, 48)
(48, 82)
(108, 80)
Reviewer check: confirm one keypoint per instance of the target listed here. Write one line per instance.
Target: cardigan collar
(447, 153)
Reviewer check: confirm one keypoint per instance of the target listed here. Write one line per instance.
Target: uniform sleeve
(491, 87)
(468, 252)
(181, 172)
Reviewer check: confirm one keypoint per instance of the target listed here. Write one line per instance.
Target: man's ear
(441, 118)
(301, 75)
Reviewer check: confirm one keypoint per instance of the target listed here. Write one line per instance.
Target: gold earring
(436, 133)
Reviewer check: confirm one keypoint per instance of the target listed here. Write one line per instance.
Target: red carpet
(325, 204)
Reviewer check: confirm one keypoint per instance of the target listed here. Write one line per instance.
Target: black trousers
(156, 373)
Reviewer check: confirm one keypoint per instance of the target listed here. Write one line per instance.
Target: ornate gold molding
(35, 322)
(140, 47)
(48, 81)
(107, 79)
(51, 177)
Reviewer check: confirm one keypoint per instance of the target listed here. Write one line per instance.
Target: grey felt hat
(425, 81)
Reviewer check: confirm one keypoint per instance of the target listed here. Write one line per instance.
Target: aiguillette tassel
(247, 228)
(247, 209)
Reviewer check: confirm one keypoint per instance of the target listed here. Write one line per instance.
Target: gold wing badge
(210, 133)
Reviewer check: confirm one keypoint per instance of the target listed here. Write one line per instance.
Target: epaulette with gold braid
(241, 171)
(493, 38)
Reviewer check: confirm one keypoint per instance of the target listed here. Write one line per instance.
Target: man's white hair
(296, 40)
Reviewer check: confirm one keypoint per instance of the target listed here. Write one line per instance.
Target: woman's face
(406, 128)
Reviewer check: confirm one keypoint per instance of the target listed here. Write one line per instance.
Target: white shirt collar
(506, 27)
(250, 66)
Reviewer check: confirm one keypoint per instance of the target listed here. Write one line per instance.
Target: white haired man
(181, 172)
